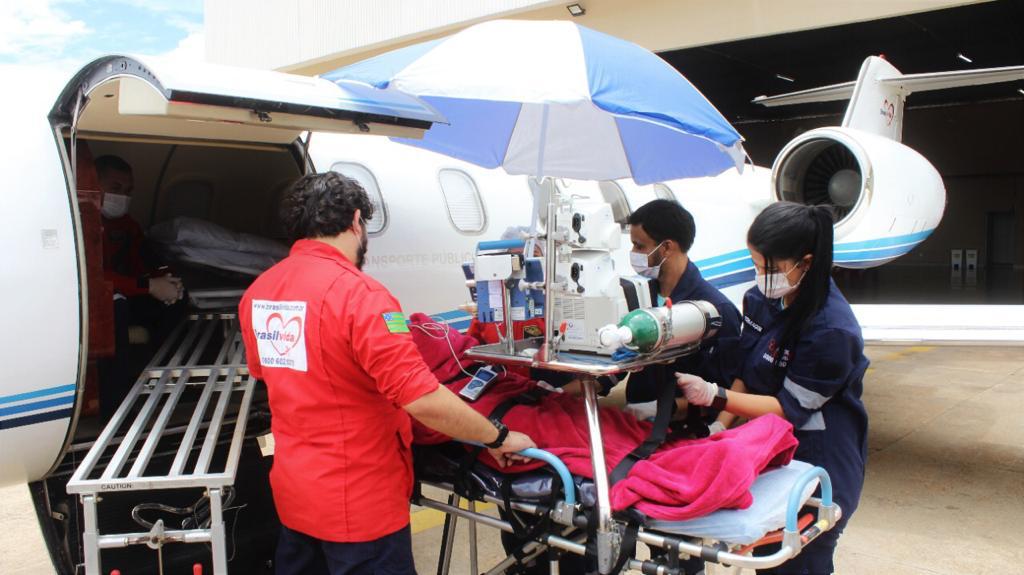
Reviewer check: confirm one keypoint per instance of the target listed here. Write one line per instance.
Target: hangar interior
(973, 136)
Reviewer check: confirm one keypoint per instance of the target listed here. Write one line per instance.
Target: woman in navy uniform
(802, 358)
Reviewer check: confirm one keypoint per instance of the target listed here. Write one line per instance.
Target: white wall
(280, 34)
(314, 36)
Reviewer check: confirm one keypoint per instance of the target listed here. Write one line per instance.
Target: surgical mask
(640, 261)
(115, 205)
(776, 285)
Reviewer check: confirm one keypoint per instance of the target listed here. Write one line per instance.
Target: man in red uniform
(343, 376)
(122, 237)
(140, 298)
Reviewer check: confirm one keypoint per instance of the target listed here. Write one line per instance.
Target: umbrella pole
(550, 257)
(547, 353)
(506, 305)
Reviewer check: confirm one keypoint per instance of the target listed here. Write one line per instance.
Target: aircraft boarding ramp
(199, 376)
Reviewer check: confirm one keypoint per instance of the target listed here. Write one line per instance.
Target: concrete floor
(945, 479)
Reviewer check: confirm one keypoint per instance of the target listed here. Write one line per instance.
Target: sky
(68, 33)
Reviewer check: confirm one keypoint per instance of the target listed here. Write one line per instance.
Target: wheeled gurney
(553, 512)
(564, 504)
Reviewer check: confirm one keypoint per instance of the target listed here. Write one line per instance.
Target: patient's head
(327, 206)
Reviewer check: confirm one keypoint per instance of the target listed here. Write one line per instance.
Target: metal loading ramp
(197, 374)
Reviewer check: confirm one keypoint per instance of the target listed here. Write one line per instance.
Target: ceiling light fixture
(575, 10)
(1021, 90)
(786, 78)
(964, 58)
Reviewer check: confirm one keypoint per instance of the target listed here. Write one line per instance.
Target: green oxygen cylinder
(653, 330)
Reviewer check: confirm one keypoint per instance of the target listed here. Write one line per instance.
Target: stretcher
(571, 515)
(560, 507)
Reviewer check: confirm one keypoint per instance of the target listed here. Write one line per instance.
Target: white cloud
(191, 48)
(181, 22)
(34, 30)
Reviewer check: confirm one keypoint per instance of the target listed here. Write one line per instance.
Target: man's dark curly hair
(322, 205)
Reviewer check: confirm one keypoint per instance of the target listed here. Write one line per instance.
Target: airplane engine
(878, 187)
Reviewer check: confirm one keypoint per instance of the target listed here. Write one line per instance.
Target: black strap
(526, 398)
(461, 483)
(666, 405)
(629, 291)
(627, 549)
(693, 426)
(519, 527)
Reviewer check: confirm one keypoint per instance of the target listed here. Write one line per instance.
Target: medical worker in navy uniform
(802, 358)
(661, 233)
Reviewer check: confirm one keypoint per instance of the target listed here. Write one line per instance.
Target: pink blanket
(682, 480)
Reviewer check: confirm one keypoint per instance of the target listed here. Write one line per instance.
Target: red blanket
(682, 480)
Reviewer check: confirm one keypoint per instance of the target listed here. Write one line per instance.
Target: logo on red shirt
(278, 327)
(282, 335)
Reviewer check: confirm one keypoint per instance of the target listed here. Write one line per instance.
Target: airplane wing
(908, 84)
(830, 93)
(941, 324)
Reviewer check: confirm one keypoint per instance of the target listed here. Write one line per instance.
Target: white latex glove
(548, 387)
(696, 390)
(716, 427)
(642, 411)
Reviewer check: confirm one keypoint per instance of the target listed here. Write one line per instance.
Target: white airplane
(220, 144)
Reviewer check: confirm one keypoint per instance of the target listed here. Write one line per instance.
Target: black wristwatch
(502, 434)
(721, 398)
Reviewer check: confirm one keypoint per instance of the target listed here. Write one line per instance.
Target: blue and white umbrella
(558, 99)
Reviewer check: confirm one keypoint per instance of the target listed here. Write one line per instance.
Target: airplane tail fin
(877, 106)
(878, 95)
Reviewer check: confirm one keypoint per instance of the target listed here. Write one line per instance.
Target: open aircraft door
(45, 343)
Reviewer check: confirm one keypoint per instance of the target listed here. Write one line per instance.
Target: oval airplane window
(365, 177)
(663, 192)
(613, 194)
(461, 196)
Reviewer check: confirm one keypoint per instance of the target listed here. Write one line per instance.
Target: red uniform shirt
(333, 347)
(122, 259)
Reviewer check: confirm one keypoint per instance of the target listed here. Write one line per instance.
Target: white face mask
(776, 285)
(115, 205)
(640, 261)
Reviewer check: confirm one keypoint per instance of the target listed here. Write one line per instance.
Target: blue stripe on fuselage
(37, 393)
(35, 418)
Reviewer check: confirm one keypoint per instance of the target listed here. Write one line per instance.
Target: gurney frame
(568, 517)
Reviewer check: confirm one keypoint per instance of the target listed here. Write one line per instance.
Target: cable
(234, 526)
(427, 327)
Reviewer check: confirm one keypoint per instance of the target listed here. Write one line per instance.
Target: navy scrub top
(714, 362)
(818, 382)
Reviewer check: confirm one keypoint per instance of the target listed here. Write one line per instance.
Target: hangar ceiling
(730, 74)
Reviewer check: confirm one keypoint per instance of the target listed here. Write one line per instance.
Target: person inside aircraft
(141, 298)
(662, 232)
(802, 357)
(343, 376)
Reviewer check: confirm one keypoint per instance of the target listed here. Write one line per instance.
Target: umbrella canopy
(557, 99)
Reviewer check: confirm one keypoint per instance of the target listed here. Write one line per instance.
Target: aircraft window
(465, 208)
(613, 194)
(365, 177)
(663, 192)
